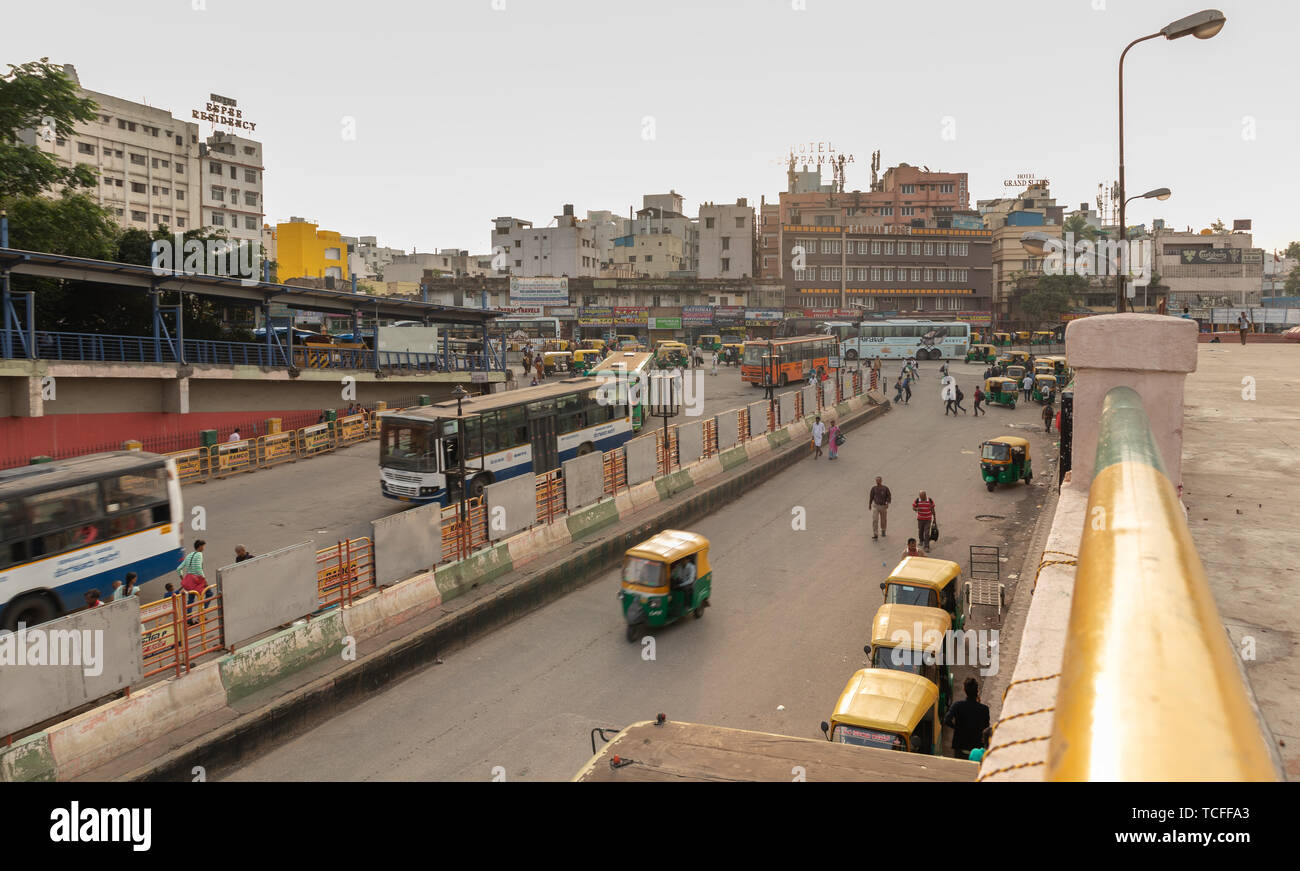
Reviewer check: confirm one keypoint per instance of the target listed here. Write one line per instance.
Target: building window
(945, 188)
(916, 249)
(138, 216)
(649, 257)
(830, 273)
(219, 195)
(809, 274)
(180, 168)
(740, 223)
(928, 249)
(927, 275)
(250, 176)
(907, 211)
(916, 274)
(767, 262)
(708, 223)
(889, 248)
(941, 249)
(138, 159)
(909, 188)
(875, 247)
(214, 168)
(161, 191)
(180, 222)
(234, 172)
(954, 303)
(875, 273)
(250, 223)
(941, 275)
(160, 162)
(218, 219)
(250, 199)
(137, 187)
(180, 194)
(248, 149)
(331, 254)
(726, 264)
(85, 148)
(889, 274)
(726, 244)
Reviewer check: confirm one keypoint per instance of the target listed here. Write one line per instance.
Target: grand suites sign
(1025, 180)
(224, 111)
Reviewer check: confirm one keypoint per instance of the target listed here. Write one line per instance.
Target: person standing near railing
(191, 574)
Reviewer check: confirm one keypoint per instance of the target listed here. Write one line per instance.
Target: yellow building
(649, 255)
(302, 250)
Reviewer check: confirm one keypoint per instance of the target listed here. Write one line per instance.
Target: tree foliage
(39, 97)
(1079, 226)
(1292, 286)
(1293, 251)
(1052, 296)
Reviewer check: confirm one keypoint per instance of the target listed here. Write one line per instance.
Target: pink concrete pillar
(1151, 354)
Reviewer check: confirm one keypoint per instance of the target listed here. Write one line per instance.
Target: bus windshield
(409, 447)
(754, 355)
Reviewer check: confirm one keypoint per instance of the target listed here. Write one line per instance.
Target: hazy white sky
(464, 111)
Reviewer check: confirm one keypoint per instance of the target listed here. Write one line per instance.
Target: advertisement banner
(631, 316)
(539, 291)
(729, 316)
(595, 316)
(764, 317)
(697, 315)
(566, 312)
(665, 323)
(521, 311)
(1209, 255)
(982, 319)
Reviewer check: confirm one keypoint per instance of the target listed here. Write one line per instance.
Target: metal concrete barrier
(227, 459)
(344, 572)
(1150, 688)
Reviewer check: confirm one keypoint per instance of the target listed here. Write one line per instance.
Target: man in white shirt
(1027, 385)
(686, 581)
(234, 437)
(819, 435)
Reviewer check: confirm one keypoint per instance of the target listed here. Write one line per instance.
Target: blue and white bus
(71, 526)
(901, 338)
(526, 431)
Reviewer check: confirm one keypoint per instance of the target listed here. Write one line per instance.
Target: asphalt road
(791, 611)
(335, 496)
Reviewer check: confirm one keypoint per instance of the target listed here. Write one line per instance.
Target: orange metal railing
(344, 572)
(615, 471)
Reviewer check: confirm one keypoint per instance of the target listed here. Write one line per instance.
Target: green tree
(39, 96)
(1079, 226)
(1292, 286)
(1050, 297)
(1293, 251)
(1219, 227)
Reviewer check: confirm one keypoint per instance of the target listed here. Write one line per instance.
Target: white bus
(900, 338)
(74, 525)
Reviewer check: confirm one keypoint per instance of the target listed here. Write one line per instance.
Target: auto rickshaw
(930, 583)
(1005, 460)
(556, 361)
(672, 354)
(981, 354)
(1015, 372)
(1044, 388)
(732, 352)
(1002, 338)
(710, 343)
(557, 345)
(585, 359)
(1059, 367)
(622, 338)
(665, 578)
(911, 638)
(1022, 335)
(1043, 337)
(1000, 391)
(976, 337)
(592, 345)
(888, 710)
(1021, 357)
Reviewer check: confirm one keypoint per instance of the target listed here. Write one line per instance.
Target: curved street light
(1202, 25)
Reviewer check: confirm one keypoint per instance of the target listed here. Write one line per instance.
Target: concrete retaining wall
(267, 660)
(785, 408)
(511, 507)
(757, 419)
(642, 461)
(690, 442)
(268, 590)
(407, 542)
(728, 424)
(584, 480)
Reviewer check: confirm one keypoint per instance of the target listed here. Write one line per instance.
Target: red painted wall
(61, 435)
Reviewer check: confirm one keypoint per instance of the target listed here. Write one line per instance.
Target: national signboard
(539, 291)
(697, 315)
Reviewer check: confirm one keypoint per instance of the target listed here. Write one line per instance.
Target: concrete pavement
(789, 618)
(1241, 460)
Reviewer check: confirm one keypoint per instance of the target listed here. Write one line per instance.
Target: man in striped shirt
(924, 508)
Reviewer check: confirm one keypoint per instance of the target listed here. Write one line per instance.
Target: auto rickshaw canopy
(923, 571)
(1046, 379)
(1021, 357)
(914, 627)
(556, 356)
(671, 545)
(982, 350)
(1003, 456)
(885, 699)
(586, 354)
(999, 384)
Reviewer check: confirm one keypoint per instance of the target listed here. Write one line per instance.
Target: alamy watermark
(974, 647)
(55, 647)
(180, 256)
(1103, 257)
(658, 388)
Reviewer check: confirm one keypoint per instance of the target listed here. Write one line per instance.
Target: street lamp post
(462, 444)
(665, 402)
(1202, 25)
(1157, 194)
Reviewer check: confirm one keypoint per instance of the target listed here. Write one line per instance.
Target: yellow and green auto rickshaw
(711, 343)
(732, 352)
(1059, 367)
(556, 361)
(1044, 388)
(975, 337)
(1020, 357)
(665, 578)
(585, 359)
(911, 638)
(1002, 338)
(592, 345)
(981, 354)
(669, 353)
(1023, 336)
(930, 583)
(1005, 460)
(888, 710)
(1015, 372)
(1043, 337)
(1001, 391)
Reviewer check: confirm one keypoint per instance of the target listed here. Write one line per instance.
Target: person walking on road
(1243, 326)
(912, 549)
(907, 389)
(832, 439)
(898, 390)
(924, 508)
(956, 403)
(979, 397)
(818, 434)
(714, 370)
(1048, 414)
(968, 720)
(1027, 386)
(878, 503)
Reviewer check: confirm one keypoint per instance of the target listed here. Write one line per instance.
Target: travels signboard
(539, 291)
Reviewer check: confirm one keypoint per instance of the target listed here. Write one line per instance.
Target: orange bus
(799, 358)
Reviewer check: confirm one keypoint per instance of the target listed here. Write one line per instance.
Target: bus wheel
(477, 484)
(30, 611)
(850, 354)
(585, 448)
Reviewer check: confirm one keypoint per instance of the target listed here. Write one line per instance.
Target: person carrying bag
(191, 569)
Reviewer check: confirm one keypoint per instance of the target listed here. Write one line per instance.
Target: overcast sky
(464, 111)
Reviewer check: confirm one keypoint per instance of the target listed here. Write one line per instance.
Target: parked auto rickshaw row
(898, 702)
(1028, 337)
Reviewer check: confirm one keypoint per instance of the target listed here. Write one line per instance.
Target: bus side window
(512, 431)
(489, 425)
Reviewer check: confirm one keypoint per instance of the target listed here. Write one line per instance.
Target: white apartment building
(367, 258)
(567, 249)
(726, 235)
(662, 213)
(147, 161)
(231, 172)
(450, 262)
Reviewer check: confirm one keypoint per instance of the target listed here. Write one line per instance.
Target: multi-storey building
(662, 214)
(1208, 269)
(567, 249)
(649, 255)
(302, 250)
(147, 160)
(769, 241)
(726, 240)
(1036, 199)
(901, 269)
(230, 170)
(367, 258)
(903, 195)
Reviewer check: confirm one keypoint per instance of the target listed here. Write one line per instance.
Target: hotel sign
(224, 111)
(1024, 180)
